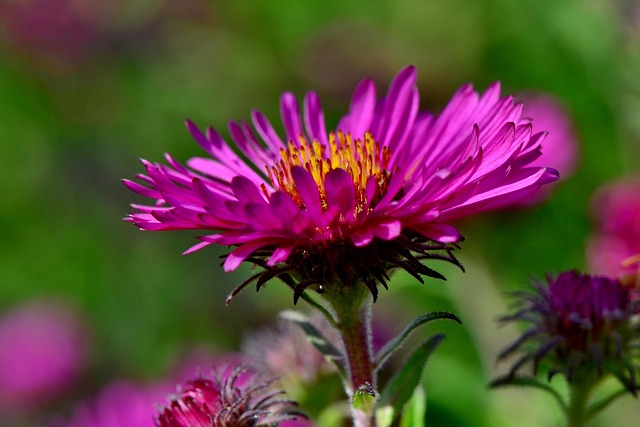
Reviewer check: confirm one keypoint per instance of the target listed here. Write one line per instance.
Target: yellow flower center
(361, 158)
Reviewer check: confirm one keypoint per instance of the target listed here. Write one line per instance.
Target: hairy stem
(577, 413)
(352, 306)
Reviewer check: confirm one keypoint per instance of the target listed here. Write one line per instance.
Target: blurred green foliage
(75, 117)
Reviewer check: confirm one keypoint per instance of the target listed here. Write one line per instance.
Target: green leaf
(414, 412)
(393, 345)
(384, 416)
(400, 388)
(317, 339)
(596, 407)
(529, 382)
(334, 415)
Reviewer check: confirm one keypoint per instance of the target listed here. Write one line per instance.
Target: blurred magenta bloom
(387, 173)
(616, 209)
(286, 353)
(560, 148)
(578, 325)
(119, 404)
(43, 349)
(199, 360)
(233, 396)
(47, 28)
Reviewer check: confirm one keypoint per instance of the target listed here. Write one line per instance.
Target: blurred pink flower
(560, 147)
(616, 208)
(119, 404)
(200, 361)
(43, 349)
(46, 29)
(286, 352)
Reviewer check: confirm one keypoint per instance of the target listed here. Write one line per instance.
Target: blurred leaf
(401, 387)
(415, 411)
(393, 345)
(334, 415)
(317, 339)
(597, 407)
(529, 382)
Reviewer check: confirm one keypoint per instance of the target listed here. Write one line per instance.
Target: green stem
(356, 336)
(577, 413)
(352, 306)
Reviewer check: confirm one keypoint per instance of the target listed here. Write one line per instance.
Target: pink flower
(387, 174)
(287, 353)
(120, 404)
(560, 148)
(616, 209)
(578, 324)
(43, 349)
(48, 29)
(234, 397)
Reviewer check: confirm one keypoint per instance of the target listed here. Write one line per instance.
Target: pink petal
(388, 230)
(282, 205)
(241, 253)
(340, 190)
(290, 116)
(261, 217)
(361, 110)
(439, 232)
(314, 118)
(280, 254)
(266, 131)
(308, 190)
(246, 191)
(362, 237)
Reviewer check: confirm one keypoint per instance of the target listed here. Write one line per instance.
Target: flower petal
(388, 230)
(308, 190)
(280, 254)
(340, 190)
(361, 110)
(266, 131)
(246, 191)
(290, 113)
(314, 118)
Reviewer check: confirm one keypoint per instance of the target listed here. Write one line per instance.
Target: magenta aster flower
(379, 192)
(580, 325)
(232, 398)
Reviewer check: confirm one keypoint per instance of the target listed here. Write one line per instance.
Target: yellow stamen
(361, 158)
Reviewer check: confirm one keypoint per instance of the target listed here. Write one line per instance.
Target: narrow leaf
(597, 407)
(415, 411)
(317, 339)
(384, 416)
(400, 388)
(393, 345)
(529, 382)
